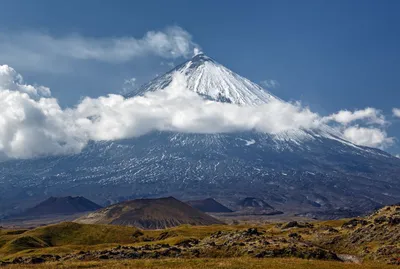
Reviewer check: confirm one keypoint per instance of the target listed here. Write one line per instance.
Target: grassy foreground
(231, 263)
(370, 242)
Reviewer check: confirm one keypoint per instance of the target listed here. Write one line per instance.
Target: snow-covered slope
(305, 170)
(213, 81)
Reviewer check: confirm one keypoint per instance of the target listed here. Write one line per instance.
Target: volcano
(303, 171)
(159, 213)
(61, 206)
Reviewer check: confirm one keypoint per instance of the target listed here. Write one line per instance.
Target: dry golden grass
(233, 263)
(62, 238)
(66, 238)
(70, 237)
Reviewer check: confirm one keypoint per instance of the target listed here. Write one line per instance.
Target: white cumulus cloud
(369, 114)
(11, 80)
(351, 125)
(31, 123)
(371, 137)
(396, 112)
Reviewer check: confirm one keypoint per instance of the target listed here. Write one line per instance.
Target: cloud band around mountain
(32, 123)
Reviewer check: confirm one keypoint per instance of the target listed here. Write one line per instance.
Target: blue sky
(331, 55)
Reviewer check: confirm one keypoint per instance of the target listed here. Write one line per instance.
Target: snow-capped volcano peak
(213, 81)
(201, 57)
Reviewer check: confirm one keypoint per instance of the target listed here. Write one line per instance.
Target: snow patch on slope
(250, 142)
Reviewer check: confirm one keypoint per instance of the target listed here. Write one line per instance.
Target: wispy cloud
(129, 85)
(169, 64)
(270, 83)
(43, 51)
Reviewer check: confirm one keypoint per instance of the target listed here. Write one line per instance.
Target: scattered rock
(295, 236)
(188, 243)
(295, 224)
(4, 263)
(380, 220)
(37, 260)
(394, 221)
(167, 234)
(350, 258)
(252, 231)
(136, 234)
(354, 222)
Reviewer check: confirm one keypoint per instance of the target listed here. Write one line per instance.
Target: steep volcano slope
(149, 214)
(298, 171)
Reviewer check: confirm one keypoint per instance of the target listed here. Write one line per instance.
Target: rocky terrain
(376, 237)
